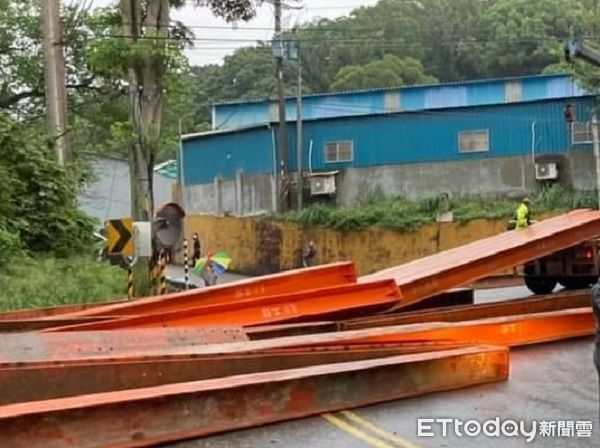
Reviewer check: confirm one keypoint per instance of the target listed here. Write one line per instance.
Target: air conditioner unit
(322, 185)
(546, 171)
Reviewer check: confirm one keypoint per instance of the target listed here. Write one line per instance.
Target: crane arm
(577, 49)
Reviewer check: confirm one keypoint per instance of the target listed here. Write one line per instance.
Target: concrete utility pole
(54, 73)
(596, 153)
(283, 147)
(299, 139)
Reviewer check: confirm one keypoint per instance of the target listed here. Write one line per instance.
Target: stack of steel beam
(274, 348)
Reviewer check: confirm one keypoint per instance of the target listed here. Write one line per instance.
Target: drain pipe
(533, 125)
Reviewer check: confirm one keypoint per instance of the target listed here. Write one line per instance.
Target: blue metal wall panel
(412, 99)
(536, 88)
(442, 97)
(204, 158)
(425, 136)
(230, 116)
(432, 136)
(486, 93)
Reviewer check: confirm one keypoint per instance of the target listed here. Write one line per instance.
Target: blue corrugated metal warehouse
(480, 137)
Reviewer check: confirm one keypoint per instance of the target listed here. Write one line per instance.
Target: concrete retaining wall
(259, 246)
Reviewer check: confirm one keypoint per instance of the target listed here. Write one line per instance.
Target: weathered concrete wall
(241, 197)
(583, 172)
(510, 176)
(259, 246)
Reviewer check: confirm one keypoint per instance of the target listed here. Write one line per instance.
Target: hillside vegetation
(401, 214)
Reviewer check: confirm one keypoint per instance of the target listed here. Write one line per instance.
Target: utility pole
(283, 147)
(299, 140)
(54, 74)
(596, 153)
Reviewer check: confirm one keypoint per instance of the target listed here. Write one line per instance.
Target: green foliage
(38, 198)
(46, 281)
(390, 71)
(405, 215)
(522, 31)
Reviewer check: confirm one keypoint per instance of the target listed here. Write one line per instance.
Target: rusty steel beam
(508, 331)
(525, 305)
(337, 301)
(259, 332)
(431, 275)
(150, 416)
(21, 382)
(50, 312)
(452, 297)
(24, 325)
(512, 330)
(276, 284)
(37, 346)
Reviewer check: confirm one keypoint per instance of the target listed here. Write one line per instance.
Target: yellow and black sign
(119, 233)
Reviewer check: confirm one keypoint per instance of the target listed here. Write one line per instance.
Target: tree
(150, 39)
(390, 71)
(524, 36)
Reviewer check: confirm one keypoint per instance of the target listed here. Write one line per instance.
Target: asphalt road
(551, 382)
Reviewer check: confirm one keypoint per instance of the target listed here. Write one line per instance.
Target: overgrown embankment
(46, 242)
(403, 215)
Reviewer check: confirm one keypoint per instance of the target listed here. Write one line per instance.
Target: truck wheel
(540, 285)
(575, 282)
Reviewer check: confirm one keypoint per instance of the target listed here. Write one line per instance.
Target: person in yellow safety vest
(523, 214)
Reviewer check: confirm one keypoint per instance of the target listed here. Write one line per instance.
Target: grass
(404, 215)
(44, 281)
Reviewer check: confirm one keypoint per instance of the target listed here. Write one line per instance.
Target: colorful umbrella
(220, 260)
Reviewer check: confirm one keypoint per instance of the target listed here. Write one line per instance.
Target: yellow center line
(341, 424)
(403, 443)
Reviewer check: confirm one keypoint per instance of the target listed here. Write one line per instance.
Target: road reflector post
(186, 266)
(130, 282)
(163, 272)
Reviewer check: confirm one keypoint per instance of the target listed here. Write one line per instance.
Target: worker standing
(309, 258)
(523, 214)
(197, 249)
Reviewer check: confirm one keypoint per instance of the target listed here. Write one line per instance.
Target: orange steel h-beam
(277, 284)
(147, 417)
(512, 330)
(30, 347)
(431, 275)
(526, 305)
(336, 301)
(507, 331)
(23, 381)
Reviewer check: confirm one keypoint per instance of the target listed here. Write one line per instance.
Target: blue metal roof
(230, 115)
(388, 89)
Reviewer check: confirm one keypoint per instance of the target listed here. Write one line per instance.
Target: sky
(206, 26)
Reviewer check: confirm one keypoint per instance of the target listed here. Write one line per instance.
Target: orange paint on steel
(51, 312)
(303, 306)
(510, 331)
(150, 416)
(526, 305)
(29, 347)
(431, 275)
(572, 323)
(22, 382)
(281, 283)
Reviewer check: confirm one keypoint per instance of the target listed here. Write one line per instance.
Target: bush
(404, 215)
(38, 198)
(46, 281)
